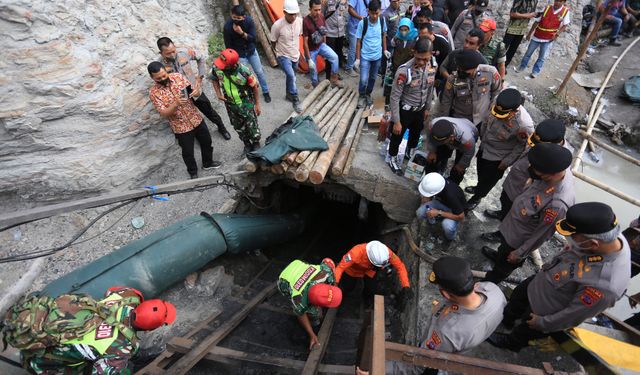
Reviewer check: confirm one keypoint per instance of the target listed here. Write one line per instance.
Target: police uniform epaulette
(595, 258)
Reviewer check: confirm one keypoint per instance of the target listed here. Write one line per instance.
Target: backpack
(35, 322)
(365, 26)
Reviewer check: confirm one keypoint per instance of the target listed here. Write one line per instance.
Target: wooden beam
(378, 361)
(224, 355)
(184, 364)
(315, 357)
(25, 216)
(453, 362)
(630, 329)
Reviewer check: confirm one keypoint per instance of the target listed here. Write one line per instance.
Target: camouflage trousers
(245, 121)
(66, 360)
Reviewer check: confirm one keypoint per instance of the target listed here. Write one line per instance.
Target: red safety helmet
(228, 58)
(325, 295)
(152, 314)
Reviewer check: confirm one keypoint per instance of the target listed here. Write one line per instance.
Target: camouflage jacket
(80, 358)
(301, 303)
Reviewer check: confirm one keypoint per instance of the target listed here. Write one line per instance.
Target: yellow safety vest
(299, 274)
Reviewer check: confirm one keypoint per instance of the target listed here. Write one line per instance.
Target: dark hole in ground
(339, 220)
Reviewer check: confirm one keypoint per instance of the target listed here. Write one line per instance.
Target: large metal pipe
(159, 260)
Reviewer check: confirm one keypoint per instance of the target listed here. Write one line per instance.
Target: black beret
(549, 158)
(587, 218)
(453, 274)
(549, 131)
(441, 130)
(468, 59)
(508, 100)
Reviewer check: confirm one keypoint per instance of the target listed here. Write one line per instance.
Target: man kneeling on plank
(310, 287)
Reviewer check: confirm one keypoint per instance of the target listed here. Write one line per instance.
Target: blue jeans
(331, 57)
(616, 25)
(450, 227)
(289, 68)
(545, 47)
(351, 56)
(368, 74)
(254, 61)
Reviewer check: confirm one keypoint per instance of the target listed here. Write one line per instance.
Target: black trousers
(348, 284)
(488, 176)
(511, 43)
(443, 153)
(502, 269)
(505, 204)
(337, 45)
(204, 106)
(186, 142)
(518, 308)
(414, 121)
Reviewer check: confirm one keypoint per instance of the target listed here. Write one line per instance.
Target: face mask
(533, 174)
(463, 74)
(237, 22)
(164, 82)
(576, 246)
(404, 33)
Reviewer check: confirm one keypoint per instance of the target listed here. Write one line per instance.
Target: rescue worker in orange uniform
(366, 259)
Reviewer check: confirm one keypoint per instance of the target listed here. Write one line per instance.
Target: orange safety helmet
(228, 58)
(152, 314)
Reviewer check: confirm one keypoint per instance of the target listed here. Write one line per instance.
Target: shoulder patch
(402, 78)
(434, 341)
(590, 296)
(550, 215)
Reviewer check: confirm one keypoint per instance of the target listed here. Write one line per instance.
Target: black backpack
(365, 26)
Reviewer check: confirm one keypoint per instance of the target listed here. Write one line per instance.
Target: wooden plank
(365, 344)
(315, 357)
(453, 362)
(164, 358)
(221, 354)
(630, 329)
(25, 216)
(378, 361)
(185, 363)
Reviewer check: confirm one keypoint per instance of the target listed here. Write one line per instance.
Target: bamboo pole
(291, 172)
(262, 32)
(581, 52)
(612, 150)
(321, 167)
(322, 125)
(354, 147)
(302, 173)
(343, 153)
(607, 188)
(583, 146)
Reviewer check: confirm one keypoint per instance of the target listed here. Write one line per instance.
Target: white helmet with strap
(378, 253)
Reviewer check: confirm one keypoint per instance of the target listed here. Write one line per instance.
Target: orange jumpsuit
(356, 264)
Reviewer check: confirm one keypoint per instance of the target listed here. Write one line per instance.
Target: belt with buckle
(409, 108)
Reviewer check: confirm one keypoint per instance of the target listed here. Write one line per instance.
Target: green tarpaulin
(297, 134)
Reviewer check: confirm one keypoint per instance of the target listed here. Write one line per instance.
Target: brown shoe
(335, 81)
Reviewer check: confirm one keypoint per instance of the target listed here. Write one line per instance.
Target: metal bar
(185, 363)
(622, 324)
(611, 149)
(378, 366)
(453, 362)
(607, 188)
(316, 355)
(221, 354)
(25, 216)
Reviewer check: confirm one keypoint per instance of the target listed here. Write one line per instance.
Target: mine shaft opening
(337, 218)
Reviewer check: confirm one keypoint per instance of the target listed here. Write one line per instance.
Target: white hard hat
(431, 184)
(291, 6)
(378, 253)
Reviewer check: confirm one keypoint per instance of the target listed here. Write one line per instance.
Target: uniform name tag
(104, 331)
(305, 276)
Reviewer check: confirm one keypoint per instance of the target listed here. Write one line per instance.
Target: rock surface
(74, 110)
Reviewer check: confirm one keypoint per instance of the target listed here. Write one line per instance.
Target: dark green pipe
(154, 263)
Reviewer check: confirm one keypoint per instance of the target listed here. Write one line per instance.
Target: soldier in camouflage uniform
(493, 49)
(241, 96)
(108, 347)
(309, 288)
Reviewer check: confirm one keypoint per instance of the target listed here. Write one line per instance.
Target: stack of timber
(340, 124)
(263, 22)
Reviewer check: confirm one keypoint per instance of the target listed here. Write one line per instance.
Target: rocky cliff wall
(74, 110)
